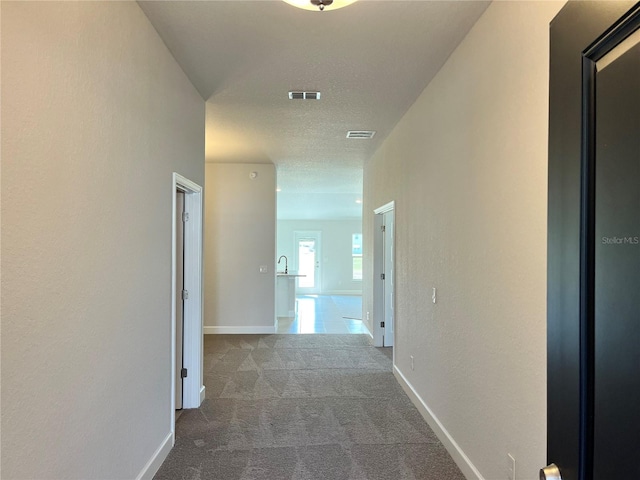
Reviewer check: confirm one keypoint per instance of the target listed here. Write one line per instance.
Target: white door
(179, 299)
(383, 325)
(308, 262)
(186, 315)
(388, 279)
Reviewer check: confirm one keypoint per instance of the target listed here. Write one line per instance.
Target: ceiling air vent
(360, 134)
(304, 95)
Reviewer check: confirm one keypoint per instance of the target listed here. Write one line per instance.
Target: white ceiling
(370, 60)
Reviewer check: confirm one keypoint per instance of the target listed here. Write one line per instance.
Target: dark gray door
(617, 267)
(594, 242)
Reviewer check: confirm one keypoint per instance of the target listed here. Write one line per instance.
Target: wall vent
(360, 134)
(304, 95)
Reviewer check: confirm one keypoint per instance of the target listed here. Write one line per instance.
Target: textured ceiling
(370, 60)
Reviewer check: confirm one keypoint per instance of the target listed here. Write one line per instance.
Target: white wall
(337, 263)
(96, 115)
(240, 236)
(467, 167)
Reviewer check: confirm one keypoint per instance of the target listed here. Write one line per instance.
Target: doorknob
(550, 472)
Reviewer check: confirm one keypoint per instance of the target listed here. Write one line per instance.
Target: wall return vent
(304, 95)
(360, 134)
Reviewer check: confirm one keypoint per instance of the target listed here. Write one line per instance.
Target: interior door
(179, 296)
(617, 265)
(308, 261)
(389, 317)
(593, 328)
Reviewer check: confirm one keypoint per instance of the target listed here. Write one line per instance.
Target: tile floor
(325, 314)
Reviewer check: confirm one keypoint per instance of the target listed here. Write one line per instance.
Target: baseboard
(203, 392)
(464, 463)
(239, 330)
(368, 332)
(154, 463)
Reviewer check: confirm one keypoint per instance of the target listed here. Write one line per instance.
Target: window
(356, 255)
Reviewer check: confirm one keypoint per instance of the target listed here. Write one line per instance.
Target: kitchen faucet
(286, 267)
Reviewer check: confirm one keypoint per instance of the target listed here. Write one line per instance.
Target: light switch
(264, 269)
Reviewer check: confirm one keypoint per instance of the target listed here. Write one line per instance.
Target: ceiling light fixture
(320, 5)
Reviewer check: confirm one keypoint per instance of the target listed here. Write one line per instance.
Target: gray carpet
(303, 407)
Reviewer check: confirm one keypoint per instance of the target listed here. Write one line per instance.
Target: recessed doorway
(383, 276)
(324, 281)
(187, 390)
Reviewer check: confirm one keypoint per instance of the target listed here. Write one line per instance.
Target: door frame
(581, 33)
(378, 266)
(317, 235)
(193, 388)
(179, 311)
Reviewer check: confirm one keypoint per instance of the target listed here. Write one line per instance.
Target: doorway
(308, 258)
(384, 277)
(187, 390)
(179, 294)
(593, 324)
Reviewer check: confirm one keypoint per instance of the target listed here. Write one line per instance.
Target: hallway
(106, 104)
(325, 314)
(296, 407)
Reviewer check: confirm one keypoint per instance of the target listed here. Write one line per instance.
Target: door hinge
(382, 276)
(185, 216)
(183, 373)
(185, 294)
(382, 324)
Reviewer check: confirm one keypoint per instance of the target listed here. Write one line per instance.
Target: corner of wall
(240, 232)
